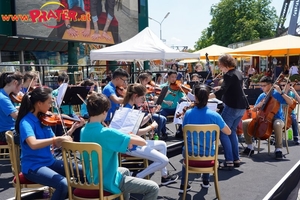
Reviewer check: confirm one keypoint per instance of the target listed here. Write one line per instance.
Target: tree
(239, 20)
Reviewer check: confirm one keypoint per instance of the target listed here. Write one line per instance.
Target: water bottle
(156, 137)
(46, 194)
(290, 134)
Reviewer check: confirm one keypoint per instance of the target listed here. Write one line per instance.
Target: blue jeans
(205, 176)
(161, 121)
(166, 111)
(232, 117)
(294, 125)
(53, 176)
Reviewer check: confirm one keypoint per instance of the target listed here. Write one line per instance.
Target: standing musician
(278, 124)
(38, 163)
(161, 120)
(115, 91)
(9, 84)
(231, 93)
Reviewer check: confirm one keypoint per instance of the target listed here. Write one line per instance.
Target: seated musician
(195, 77)
(116, 179)
(154, 150)
(161, 120)
(29, 80)
(115, 91)
(65, 109)
(83, 110)
(278, 124)
(170, 101)
(291, 92)
(38, 163)
(9, 83)
(207, 117)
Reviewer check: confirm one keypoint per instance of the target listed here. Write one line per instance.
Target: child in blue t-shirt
(201, 114)
(116, 179)
(118, 82)
(37, 161)
(10, 84)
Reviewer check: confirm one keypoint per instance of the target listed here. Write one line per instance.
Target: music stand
(71, 98)
(162, 95)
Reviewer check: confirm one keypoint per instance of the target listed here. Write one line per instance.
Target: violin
(178, 86)
(153, 89)
(121, 91)
(50, 119)
(185, 108)
(16, 98)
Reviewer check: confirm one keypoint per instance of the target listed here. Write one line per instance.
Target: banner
(105, 22)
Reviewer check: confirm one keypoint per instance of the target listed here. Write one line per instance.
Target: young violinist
(9, 84)
(65, 109)
(170, 101)
(83, 109)
(278, 123)
(118, 83)
(116, 179)
(207, 117)
(154, 150)
(37, 161)
(161, 120)
(29, 80)
(231, 93)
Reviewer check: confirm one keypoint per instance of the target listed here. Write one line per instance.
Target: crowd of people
(35, 138)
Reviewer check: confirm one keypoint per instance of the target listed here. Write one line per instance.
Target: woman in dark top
(231, 93)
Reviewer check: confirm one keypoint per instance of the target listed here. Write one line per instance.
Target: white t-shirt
(293, 70)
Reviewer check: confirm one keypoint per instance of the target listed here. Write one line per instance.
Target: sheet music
(191, 96)
(127, 120)
(61, 93)
(179, 109)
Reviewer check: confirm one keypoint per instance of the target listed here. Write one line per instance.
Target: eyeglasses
(125, 81)
(263, 85)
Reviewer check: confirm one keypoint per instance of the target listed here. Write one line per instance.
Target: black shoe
(278, 155)
(163, 137)
(248, 152)
(296, 141)
(169, 179)
(205, 184)
(188, 188)
(134, 173)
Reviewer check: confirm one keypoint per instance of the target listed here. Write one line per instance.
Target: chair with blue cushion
(204, 158)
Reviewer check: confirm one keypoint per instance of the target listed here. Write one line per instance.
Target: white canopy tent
(143, 46)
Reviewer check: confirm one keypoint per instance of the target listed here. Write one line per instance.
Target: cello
(262, 125)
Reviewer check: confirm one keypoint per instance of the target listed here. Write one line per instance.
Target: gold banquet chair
(19, 181)
(4, 151)
(84, 189)
(285, 109)
(194, 162)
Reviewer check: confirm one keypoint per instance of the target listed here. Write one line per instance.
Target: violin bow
(151, 119)
(60, 116)
(207, 64)
(29, 85)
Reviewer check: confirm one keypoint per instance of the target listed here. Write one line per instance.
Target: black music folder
(71, 97)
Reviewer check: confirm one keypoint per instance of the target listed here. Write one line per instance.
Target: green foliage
(256, 77)
(295, 77)
(239, 20)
